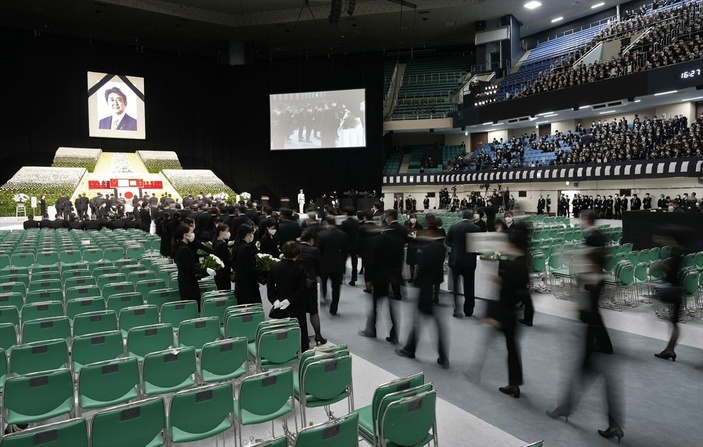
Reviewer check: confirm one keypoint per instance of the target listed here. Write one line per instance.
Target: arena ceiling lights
(532, 5)
(597, 5)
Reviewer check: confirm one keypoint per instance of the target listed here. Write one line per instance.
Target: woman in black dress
(268, 242)
(246, 286)
(221, 249)
(188, 266)
(287, 289)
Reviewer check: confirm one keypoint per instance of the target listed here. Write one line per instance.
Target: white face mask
(413, 220)
(508, 220)
(190, 236)
(272, 231)
(227, 235)
(477, 216)
(671, 208)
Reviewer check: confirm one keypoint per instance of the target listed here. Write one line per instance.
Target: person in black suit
(647, 202)
(366, 231)
(187, 263)
(42, 205)
(401, 232)
(310, 259)
(246, 286)
(287, 288)
(548, 202)
(635, 203)
(288, 228)
(462, 263)
(59, 222)
(333, 244)
(351, 226)
(541, 203)
(30, 223)
(430, 270)
(413, 227)
(385, 260)
(145, 217)
(75, 223)
(221, 249)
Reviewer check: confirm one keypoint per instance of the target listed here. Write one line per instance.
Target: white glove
(276, 304)
(210, 271)
(285, 304)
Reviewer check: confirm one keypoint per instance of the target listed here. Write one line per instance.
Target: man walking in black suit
(401, 232)
(333, 244)
(462, 262)
(351, 227)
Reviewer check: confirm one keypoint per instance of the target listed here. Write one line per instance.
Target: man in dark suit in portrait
(333, 244)
(462, 262)
(119, 120)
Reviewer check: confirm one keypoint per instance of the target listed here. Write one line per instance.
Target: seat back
(39, 356)
(134, 316)
(12, 299)
(13, 286)
(9, 314)
(93, 322)
(160, 294)
(223, 360)
(72, 432)
(216, 306)
(47, 258)
(168, 371)
(140, 423)
(113, 253)
(326, 378)
(8, 336)
(145, 339)
(110, 278)
(45, 284)
(265, 393)
(120, 301)
(278, 347)
(95, 347)
(116, 288)
(340, 432)
(83, 305)
(37, 396)
(409, 420)
(107, 383)
(198, 331)
(39, 295)
(50, 328)
(200, 413)
(176, 312)
(394, 386)
(244, 323)
(140, 275)
(92, 255)
(82, 291)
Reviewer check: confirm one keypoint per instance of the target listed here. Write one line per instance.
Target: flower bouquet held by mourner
(202, 252)
(264, 262)
(212, 262)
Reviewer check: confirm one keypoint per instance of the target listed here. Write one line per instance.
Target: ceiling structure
(285, 28)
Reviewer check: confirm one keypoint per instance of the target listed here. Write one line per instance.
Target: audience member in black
(268, 242)
(188, 267)
(288, 228)
(246, 286)
(351, 226)
(462, 263)
(30, 223)
(333, 244)
(220, 247)
(413, 229)
(287, 289)
(310, 259)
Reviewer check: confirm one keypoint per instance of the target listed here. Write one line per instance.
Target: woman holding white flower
(246, 287)
(188, 266)
(269, 242)
(287, 289)
(221, 249)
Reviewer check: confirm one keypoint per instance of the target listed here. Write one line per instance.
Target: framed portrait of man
(116, 106)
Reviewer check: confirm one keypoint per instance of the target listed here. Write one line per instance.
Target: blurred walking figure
(430, 269)
(678, 238)
(597, 342)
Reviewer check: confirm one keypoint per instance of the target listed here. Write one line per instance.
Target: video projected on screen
(318, 120)
(116, 106)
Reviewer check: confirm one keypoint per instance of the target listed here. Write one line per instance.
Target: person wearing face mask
(246, 286)
(413, 227)
(675, 207)
(508, 219)
(269, 241)
(477, 217)
(187, 263)
(219, 245)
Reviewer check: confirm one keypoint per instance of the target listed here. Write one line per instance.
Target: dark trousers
(354, 265)
(336, 278)
(529, 314)
(380, 291)
(467, 272)
(514, 362)
(425, 312)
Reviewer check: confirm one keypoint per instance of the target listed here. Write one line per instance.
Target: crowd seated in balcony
(675, 37)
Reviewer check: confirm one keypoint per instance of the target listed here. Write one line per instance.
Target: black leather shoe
(366, 334)
(525, 322)
(444, 363)
(392, 340)
(403, 353)
(513, 390)
(352, 283)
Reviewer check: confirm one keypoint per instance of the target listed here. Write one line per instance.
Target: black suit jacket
(288, 230)
(385, 261)
(333, 244)
(456, 239)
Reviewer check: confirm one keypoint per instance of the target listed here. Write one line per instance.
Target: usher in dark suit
(333, 244)
(462, 263)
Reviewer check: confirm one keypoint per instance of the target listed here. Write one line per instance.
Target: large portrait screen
(318, 120)
(116, 106)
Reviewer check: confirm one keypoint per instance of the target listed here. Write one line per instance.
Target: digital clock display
(688, 74)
